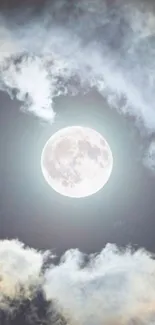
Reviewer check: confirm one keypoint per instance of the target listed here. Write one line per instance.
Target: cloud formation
(20, 270)
(104, 44)
(116, 286)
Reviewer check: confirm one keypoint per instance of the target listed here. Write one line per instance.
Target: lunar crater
(77, 161)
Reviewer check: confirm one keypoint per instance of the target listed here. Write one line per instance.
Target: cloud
(72, 47)
(30, 80)
(109, 45)
(116, 286)
(20, 271)
(149, 157)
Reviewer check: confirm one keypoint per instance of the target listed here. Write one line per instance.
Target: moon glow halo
(76, 161)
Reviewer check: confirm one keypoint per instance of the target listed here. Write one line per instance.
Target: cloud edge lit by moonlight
(40, 58)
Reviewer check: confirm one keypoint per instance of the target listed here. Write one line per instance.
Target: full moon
(76, 161)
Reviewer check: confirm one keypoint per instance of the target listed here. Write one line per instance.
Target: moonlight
(76, 161)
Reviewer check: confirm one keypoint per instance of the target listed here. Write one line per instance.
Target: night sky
(121, 213)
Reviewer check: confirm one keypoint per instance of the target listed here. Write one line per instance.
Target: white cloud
(20, 270)
(116, 287)
(30, 78)
(107, 46)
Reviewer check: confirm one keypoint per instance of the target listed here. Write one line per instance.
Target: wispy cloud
(110, 46)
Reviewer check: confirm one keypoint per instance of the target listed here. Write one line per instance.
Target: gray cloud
(149, 157)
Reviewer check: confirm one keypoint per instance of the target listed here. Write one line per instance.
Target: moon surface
(76, 161)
